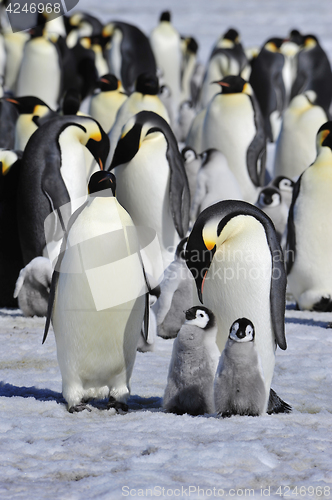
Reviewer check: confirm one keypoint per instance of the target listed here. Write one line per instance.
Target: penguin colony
(135, 201)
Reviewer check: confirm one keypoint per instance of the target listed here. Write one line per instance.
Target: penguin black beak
(190, 315)
(99, 149)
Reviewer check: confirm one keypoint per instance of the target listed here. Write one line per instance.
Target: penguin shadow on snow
(318, 320)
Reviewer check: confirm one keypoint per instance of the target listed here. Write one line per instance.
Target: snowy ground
(47, 453)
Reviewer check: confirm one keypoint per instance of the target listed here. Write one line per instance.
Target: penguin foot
(277, 405)
(117, 405)
(78, 408)
(324, 305)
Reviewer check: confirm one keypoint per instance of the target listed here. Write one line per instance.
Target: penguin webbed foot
(78, 408)
(324, 305)
(118, 406)
(277, 405)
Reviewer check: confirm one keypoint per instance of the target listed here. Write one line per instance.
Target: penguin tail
(277, 405)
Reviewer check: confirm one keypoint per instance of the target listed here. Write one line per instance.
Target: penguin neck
(25, 127)
(324, 158)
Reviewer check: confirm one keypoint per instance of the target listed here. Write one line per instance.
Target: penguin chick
(271, 202)
(193, 365)
(285, 186)
(33, 287)
(239, 387)
(176, 295)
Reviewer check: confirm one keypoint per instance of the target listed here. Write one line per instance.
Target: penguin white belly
(40, 73)
(14, 45)
(238, 285)
(114, 55)
(104, 107)
(24, 129)
(310, 278)
(229, 126)
(296, 145)
(143, 190)
(96, 348)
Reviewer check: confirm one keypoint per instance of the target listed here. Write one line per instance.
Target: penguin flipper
(291, 236)
(179, 193)
(256, 152)
(277, 405)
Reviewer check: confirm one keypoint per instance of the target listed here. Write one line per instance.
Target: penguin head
(188, 154)
(200, 316)
(181, 249)
(214, 226)
(234, 84)
(296, 37)
(139, 128)
(7, 160)
(107, 83)
(273, 44)
(233, 35)
(283, 183)
(242, 330)
(324, 136)
(102, 184)
(269, 197)
(97, 141)
(147, 84)
(165, 16)
(191, 46)
(30, 105)
(310, 42)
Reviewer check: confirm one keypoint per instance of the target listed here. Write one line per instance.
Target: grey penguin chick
(193, 365)
(33, 287)
(239, 387)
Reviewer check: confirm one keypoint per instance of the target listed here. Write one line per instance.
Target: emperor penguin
(145, 98)
(53, 176)
(151, 179)
(227, 58)
(309, 237)
(11, 260)
(32, 287)
(266, 79)
(130, 53)
(167, 48)
(235, 258)
(215, 182)
(233, 124)
(313, 72)
(239, 387)
(188, 67)
(32, 113)
(176, 295)
(79, 25)
(107, 100)
(97, 300)
(14, 45)
(270, 201)
(296, 145)
(193, 365)
(40, 71)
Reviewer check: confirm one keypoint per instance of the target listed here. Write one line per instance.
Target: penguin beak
(221, 83)
(127, 146)
(99, 145)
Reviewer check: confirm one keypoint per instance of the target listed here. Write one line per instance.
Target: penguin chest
(115, 59)
(143, 190)
(40, 73)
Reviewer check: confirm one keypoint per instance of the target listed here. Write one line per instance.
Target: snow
(48, 453)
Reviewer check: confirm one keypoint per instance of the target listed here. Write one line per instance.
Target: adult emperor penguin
(236, 260)
(296, 145)
(32, 113)
(267, 82)
(96, 325)
(146, 98)
(227, 58)
(11, 260)
(106, 102)
(215, 182)
(54, 174)
(309, 236)
(233, 124)
(40, 72)
(239, 387)
(130, 53)
(193, 365)
(270, 201)
(313, 72)
(166, 45)
(151, 179)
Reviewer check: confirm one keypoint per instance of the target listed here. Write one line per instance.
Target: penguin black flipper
(277, 405)
(56, 272)
(291, 236)
(256, 152)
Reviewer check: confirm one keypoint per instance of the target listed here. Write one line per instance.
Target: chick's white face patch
(201, 320)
